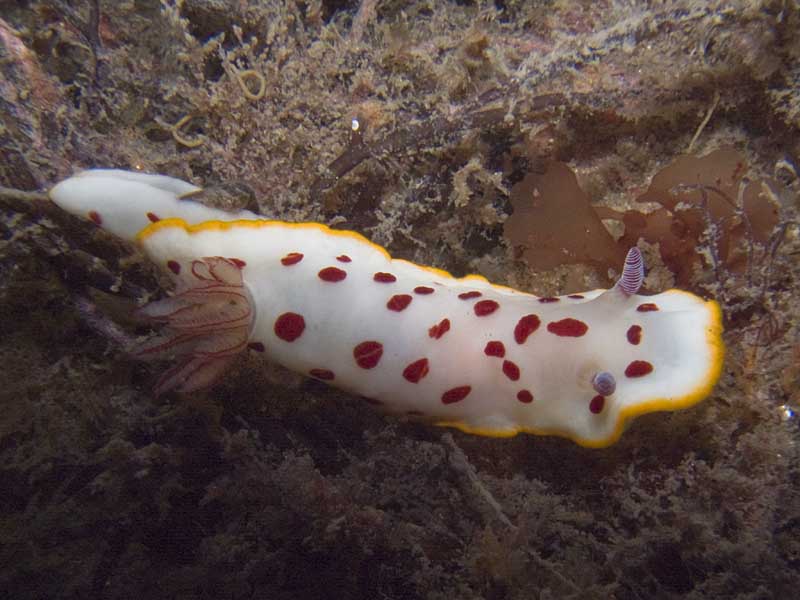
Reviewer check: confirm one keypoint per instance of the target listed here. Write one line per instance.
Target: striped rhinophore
(632, 272)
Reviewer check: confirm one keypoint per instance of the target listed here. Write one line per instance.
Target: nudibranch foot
(207, 323)
(125, 202)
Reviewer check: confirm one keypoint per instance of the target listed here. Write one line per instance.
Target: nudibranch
(462, 352)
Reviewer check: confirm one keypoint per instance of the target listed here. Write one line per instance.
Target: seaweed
(554, 223)
(710, 214)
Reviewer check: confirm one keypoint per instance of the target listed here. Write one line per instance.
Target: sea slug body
(462, 352)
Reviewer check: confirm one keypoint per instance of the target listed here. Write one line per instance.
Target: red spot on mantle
(495, 348)
(439, 329)
(568, 328)
(416, 370)
(384, 277)
(485, 307)
(576, 296)
(343, 258)
(634, 334)
(291, 259)
(332, 274)
(153, 218)
(239, 262)
(548, 299)
(323, 374)
(423, 290)
(368, 354)
(95, 217)
(526, 326)
(399, 302)
(456, 394)
(289, 326)
(524, 396)
(174, 266)
(511, 370)
(638, 368)
(596, 404)
(469, 295)
(647, 307)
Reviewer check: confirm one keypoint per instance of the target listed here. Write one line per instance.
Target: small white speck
(787, 413)
(354, 124)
